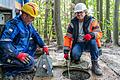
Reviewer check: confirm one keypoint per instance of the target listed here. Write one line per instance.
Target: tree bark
(108, 21)
(58, 28)
(46, 24)
(53, 22)
(98, 10)
(115, 23)
(101, 14)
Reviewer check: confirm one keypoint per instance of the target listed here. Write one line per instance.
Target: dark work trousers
(90, 46)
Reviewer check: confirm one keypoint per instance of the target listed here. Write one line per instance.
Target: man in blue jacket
(15, 42)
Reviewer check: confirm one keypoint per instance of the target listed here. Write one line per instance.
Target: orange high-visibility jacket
(89, 24)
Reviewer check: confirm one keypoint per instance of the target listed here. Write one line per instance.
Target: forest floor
(109, 62)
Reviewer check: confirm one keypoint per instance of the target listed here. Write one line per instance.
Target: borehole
(76, 74)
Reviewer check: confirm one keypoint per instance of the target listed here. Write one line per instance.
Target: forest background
(55, 15)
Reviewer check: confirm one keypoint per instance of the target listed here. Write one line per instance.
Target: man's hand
(45, 49)
(87, 37)
(24, 57)
(66, 56)
(66, 51)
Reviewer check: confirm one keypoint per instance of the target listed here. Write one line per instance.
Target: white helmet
(80, 7)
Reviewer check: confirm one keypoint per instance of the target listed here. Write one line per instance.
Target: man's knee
(76, 49)
(76, 54)
(93, 45)
(31, 62)
(100, 51)
(93, 42)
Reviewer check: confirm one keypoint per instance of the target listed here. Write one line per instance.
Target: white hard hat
(80, 7)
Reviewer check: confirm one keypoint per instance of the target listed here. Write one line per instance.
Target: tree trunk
(115, 23)
(53, 22)
(101, 14)
(58, 28)
(108, 21)
(46, 24)
(98, 10)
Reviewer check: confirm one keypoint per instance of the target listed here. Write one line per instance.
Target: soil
(109, 62)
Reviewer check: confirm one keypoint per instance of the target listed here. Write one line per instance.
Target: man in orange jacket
(83, 34)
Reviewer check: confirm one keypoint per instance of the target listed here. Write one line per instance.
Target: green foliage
(66, 7)
(107, 26)
(39, 21)
(65, 10)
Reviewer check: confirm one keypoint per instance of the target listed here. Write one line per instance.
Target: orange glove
(87, 37)
(45, 49)
(24, 58)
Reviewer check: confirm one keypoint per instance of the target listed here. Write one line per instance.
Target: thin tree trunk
(108, 21)
(115, 24)
(101, 14)
(53, 22)
(98, 10)
(46, 24)
(58, 28)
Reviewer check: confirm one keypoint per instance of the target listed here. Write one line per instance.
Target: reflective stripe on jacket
(89, 25)
(19, 36)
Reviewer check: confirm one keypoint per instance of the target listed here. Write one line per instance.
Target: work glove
(45, 49)
(87, 37)
(24, 57)
(66, 56)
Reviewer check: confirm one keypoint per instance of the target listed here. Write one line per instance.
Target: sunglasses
(80, 12)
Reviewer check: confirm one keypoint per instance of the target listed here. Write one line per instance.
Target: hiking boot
(96, 68)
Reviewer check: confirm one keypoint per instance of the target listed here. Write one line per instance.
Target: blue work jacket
(16, 37)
